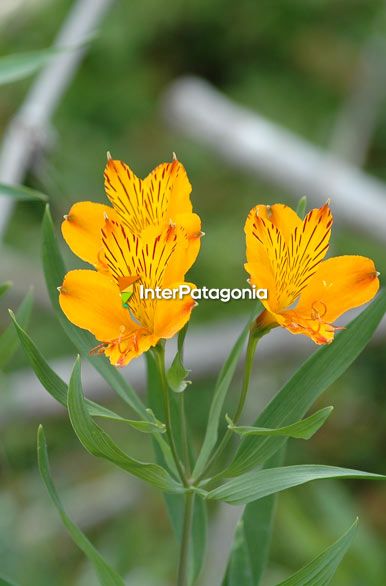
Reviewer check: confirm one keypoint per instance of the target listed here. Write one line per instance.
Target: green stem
(182, 579)
(184, 433)
(251, 348)
(160, 358)
(252, 342)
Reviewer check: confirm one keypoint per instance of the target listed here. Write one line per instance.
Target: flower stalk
(182, 578)
(255, 334)
(159, 353)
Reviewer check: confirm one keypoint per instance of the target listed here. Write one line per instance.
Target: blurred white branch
(29, 130)
(251, 142)
(357, 120)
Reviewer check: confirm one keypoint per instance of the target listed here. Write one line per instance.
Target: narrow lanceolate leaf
(239, 567)
(321, 570)
(21, 193)
(251, 545)
(308, 383)
(57, 388)
(303, 429)
(220, 391)
(21, 65)
(99, 443)
(260, 483)
(4, 287)
(107, 576)
(8, 339)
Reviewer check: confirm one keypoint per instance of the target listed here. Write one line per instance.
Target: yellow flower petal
(91, 301)
(126, 192)
(280, 215)
(189, 242)
(172, 314)
(340, 284)
(153, 201)
(308, 246)
(81, 230)
(180, 187)
(283, 265)
(266, 255)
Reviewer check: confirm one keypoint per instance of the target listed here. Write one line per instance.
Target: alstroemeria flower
(161, 199)
(156, 252)
(306, 294)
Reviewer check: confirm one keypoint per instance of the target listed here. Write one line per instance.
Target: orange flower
(151, 238)
(305, 293)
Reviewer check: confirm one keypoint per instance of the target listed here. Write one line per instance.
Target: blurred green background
(294, 62)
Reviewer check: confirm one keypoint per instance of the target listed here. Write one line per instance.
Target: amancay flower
(162, 199)
(306, 293)
(149, 237)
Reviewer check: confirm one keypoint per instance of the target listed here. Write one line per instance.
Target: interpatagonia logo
(198, 293)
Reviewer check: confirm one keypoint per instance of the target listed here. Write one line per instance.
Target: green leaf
(257, 484)
(177, 373)
(321, 570)
(221, 388)
(99, 443)
(9, 339)
(251, 545)
(239, 567)
(315, 376)
(303, 429)
(107, 576)
(4, 582)
(57, 388)
(21, 65)
(4, 287)
(153, 426)
(21, 193)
